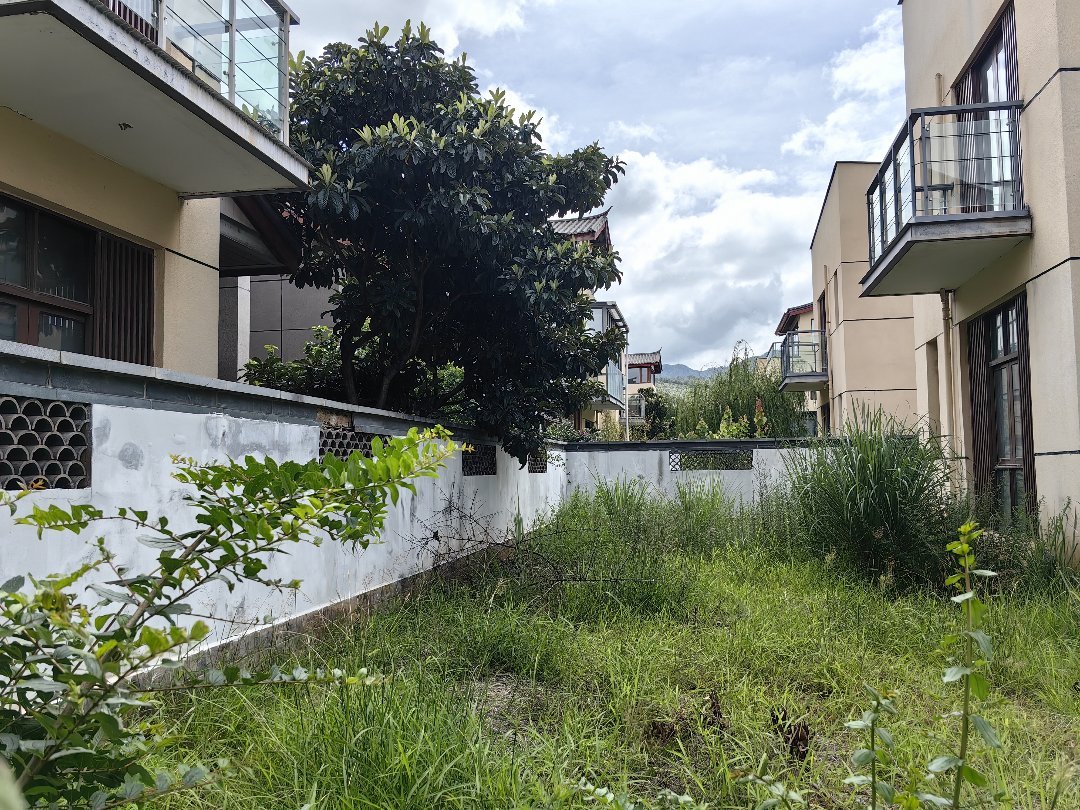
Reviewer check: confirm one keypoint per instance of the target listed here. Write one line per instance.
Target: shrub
(75, 668)
(742, 400)
(878, 495)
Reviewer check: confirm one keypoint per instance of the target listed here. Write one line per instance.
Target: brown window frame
(34, 303)
(988, 462)
(118, 316)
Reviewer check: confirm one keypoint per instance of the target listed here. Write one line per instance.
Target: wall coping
(217, 395)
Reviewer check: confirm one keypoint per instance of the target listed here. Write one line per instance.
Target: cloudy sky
(728, 113)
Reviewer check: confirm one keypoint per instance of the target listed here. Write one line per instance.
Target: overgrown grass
(655, 656)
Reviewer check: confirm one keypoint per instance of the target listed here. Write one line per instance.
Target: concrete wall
(141, 417)
(283, 315)
(48, 170)
(869, 339)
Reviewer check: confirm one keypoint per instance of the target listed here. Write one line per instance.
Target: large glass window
(13, 224)
(46, 272)
(1007, 398)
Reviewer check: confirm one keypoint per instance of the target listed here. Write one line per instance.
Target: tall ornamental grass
(878, 496)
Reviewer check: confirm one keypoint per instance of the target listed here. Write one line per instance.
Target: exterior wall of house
(283, 315)
(940, 38)
(870, 363)
(59, 175)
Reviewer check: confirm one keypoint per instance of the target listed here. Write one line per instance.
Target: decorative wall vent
(481, 461)
(44, 442)
(686, 460)
(538, 463)
(344, 441)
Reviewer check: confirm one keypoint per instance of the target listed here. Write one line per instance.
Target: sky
(729, 115)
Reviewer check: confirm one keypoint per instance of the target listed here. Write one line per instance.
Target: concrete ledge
(34, 371)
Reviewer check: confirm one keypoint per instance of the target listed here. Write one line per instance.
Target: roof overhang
(75, 69)
(941, 253)
(789, 321)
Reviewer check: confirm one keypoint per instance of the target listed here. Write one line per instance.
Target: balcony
(803, 362)
(615, 385)
(192, 94)
(948, 199)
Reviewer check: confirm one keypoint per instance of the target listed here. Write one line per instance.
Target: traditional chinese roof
(646, 359)
(790, 321)
(585, 228)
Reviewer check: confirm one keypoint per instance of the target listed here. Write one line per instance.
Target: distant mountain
(677, 371)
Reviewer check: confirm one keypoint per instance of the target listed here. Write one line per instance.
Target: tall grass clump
(732, 397)
(878, 495)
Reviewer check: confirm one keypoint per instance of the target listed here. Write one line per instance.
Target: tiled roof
(585, 227)
(793, 313)
(644, 358)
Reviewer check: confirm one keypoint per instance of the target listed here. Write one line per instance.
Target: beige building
(133, 122)
(642, 370)
(846, 351)
(975, 212)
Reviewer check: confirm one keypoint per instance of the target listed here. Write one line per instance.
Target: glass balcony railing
(616, 382)
(947, 162)
(238, 47)
(803, 355)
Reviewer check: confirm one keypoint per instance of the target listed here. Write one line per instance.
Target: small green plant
(972, 652)
(77, 675)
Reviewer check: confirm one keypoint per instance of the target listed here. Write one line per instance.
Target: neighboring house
(847, 351)
(605, 315)
(120, 139)
(642, 369)
(990, 149)
(611, 407)
(801, 362)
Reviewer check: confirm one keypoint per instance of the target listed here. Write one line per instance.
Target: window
(56, 275)
(46, 264)
(1001, 406)
(639, 375)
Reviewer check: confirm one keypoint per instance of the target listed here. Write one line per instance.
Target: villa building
(135, 121)
(843, 350)
(801, 361)
(595, 229)
(642, 369)
(975, 216)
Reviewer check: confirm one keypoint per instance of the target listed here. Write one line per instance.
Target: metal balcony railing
(957, 161)
(803, 354)
(238, 47)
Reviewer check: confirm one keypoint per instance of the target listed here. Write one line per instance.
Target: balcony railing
(616, 382)
(955, 162)
(240, 48)
(803, 357)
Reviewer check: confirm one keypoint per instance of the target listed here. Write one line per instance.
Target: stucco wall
(49, 170)
(141, 417)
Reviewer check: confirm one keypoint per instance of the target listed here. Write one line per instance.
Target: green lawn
(642, 644)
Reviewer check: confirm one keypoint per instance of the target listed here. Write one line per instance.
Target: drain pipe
(950, 390)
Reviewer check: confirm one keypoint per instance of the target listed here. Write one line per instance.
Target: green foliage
(429, 213)
(639, 642)
(742, 401)
(877, 495)
(318, 374)
(75, 672)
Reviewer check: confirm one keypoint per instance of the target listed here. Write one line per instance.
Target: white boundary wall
(142, 417)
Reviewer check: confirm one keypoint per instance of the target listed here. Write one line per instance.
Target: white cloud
(633, 133)
(347, 20)
(709, 252)
(868, 85)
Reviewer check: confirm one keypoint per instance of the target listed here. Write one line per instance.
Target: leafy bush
(75, 673)
(741, 401)
(877, 495)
